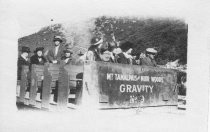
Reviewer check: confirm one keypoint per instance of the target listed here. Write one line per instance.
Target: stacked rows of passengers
(99, 50)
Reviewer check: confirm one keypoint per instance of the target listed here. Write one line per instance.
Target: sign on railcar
(120, 85)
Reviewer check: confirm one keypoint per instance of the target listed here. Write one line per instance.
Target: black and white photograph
(117, 62)
(105, 66)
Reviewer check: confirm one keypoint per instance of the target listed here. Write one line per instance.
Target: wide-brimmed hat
(126, 46)
(96, 41)
(57, 38)
(151, 51)
(39, 49)
(68, 51)
(25, 49)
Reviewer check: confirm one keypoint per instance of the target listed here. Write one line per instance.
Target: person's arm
(50, 56)
(143, 61)
(32, 60)
(61, 55)
(19, 69)
(90, 56)
(44, 60)
(45, 56)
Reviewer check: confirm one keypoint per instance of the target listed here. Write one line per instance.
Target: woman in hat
(93, 53)
(38, 57)
(66, 59)
(149, 59)
(23, 60)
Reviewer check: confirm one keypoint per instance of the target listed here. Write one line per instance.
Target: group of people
(115, 53)
(57, 54)
(98, 51)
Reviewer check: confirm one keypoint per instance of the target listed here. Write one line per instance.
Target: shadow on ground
(22, 106)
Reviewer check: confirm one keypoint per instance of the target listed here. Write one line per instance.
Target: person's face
(67, 54)
(25, 54)
(152, 56)
(39, 53)
(129, 51)
(142, 55)
(106, 56)
(117, 51)
(57, 43)
(114, 51)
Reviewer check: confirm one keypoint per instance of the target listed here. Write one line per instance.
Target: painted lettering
(157, 79)
(145, 78)
(129, 88)
(109, 76)
(122, 88)
(136, 88)
(126, 77)
(151, 89)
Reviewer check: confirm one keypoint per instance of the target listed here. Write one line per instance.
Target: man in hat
(149, 59)
(23, 60)
(125, 56)
(55, 53)
(93, 51)
(38, 57)
(66, 59)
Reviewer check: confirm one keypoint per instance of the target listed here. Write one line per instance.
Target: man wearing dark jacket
(56, 52)
(23, 60)
(38, 57)
(149, 60)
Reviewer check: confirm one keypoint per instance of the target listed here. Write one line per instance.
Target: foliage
(168, 36)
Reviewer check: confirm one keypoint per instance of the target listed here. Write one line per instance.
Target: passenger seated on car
(114, 50)
(105, 55)
(125, 56)
(139, 56)
(93, 51)
(149, 60)
(67, 58)
(38, 57)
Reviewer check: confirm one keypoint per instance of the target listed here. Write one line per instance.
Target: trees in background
(168, 36)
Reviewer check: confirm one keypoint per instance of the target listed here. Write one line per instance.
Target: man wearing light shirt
(55, 53)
